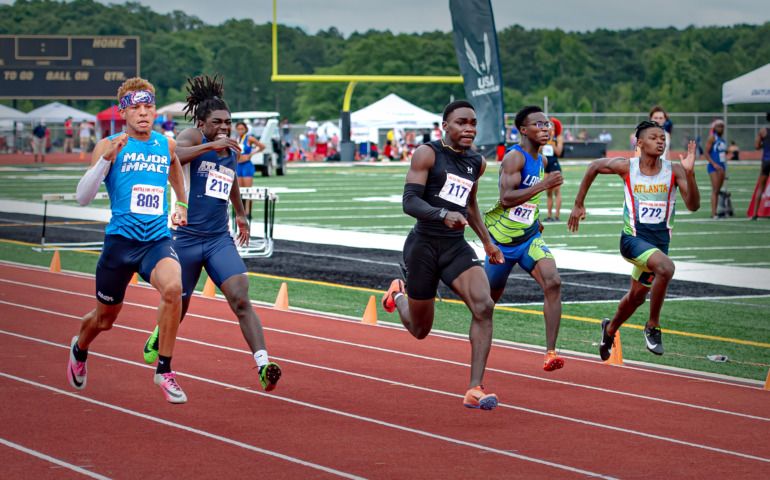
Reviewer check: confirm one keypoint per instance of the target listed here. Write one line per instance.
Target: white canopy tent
(393, 111)
(753, 87)
(175, 109)
(389, 112)
(57, 113)
(11, 114)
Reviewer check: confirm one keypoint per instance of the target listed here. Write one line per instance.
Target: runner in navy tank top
(650, 185)
(440, 192)
(136, 167)
(211, 156)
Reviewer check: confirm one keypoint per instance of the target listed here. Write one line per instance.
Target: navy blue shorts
(637, 251)
(245, 169)
(430, 259)
(217, 254)
(526, 255)
(120, 258)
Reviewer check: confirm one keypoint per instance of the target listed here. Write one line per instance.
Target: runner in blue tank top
(205, 242)
(135, 166)
(716, 154)
(763, 143)
(650, 194)
(515, 226)
(440, 192)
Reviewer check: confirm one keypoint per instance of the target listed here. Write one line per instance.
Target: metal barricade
(259, 246)
(65, 245)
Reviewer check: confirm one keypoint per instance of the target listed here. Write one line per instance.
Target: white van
(272, 158)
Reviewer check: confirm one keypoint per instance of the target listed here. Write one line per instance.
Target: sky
(417, 16)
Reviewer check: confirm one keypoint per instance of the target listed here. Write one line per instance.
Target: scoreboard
(66, 67)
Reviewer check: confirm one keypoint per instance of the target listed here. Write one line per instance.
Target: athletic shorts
(245, 169)
(120, 258)
(526, 255)
(217, 254)
(430, 259)
(710, 168)
(38, 146)
(553, 165)
(638, 251)
(765, 168)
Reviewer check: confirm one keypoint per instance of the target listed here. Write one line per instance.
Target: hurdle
(259, 246)
(66, 245)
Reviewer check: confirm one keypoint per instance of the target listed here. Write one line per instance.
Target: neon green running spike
(151, 347)
(269, 375)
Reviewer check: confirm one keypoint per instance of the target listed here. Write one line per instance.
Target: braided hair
(646, 124)
(205, 96)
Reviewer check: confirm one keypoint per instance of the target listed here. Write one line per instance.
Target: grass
(367, 198)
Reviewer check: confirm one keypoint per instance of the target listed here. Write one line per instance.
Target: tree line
(603, 70)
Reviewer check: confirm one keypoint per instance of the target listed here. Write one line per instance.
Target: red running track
(355, 401)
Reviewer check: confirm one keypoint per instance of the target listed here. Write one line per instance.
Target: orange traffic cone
(767, 382)
(282, 300)
(55, 262)
(210, 290)
(370, 315)
(134, 279)
(616, 355)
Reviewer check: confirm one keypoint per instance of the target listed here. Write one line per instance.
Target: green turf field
(367, 198)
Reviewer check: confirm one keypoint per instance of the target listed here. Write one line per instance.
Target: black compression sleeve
(415, 206)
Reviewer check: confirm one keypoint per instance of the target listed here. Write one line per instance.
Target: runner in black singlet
(440, 192)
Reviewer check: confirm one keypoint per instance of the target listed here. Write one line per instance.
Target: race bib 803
(147, 199)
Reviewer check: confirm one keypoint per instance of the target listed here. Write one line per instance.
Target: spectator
(435, 133)
(85, 136)
(286, 131)
(311, 126)
(734, 151)
(605, 136)
(69, 141)
(38, 141)
(387, 152)
(582, 135)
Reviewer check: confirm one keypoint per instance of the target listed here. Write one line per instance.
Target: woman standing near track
(552, 151)
(245, 170)
(716, 154)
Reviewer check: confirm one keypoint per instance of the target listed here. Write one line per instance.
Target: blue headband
(136, 97)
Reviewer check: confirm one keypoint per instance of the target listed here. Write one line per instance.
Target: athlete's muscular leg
(546, 274)
(96, 321)
(166, 277)
(663, 268)
(473, 288)
(236, 290)
(632, 300)
(416, 315)
(717, 179)
(557, 202)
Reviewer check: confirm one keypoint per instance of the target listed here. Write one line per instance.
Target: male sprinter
(135, 166)
(440, 192)
(650, 195)
(205, 241)
(514, 223)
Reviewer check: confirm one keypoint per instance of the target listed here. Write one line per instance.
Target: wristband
(182, 204)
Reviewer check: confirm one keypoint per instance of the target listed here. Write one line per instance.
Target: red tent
(105, 118)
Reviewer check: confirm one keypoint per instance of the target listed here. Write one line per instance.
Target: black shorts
(120, 258)
(430, 259)
(552, 165)
(765, 169)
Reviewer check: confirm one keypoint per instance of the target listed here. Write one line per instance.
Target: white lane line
(56, 461)
(527, 410)
(204, 433)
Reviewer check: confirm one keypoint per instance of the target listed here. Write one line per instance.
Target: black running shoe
(652, 336)
(605, 347)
